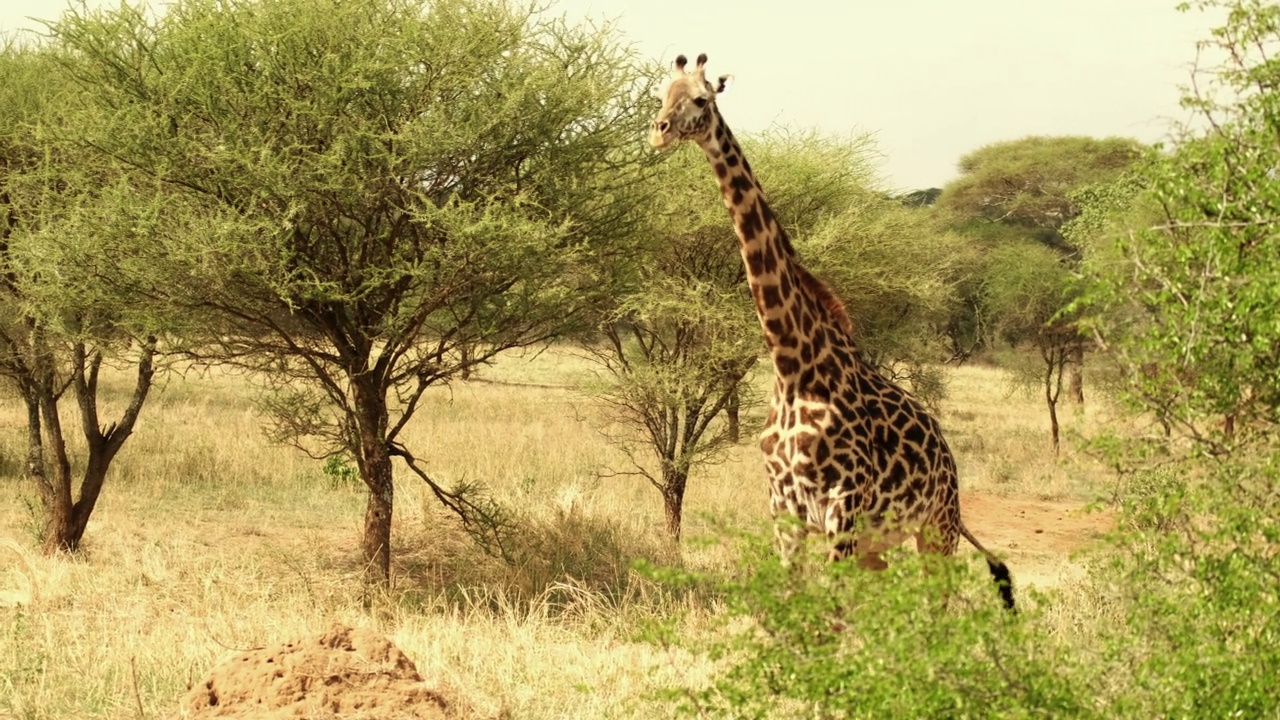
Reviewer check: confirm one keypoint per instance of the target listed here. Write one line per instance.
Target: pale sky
(932, 79)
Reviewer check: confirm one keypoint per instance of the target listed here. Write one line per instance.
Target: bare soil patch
(1036, 537)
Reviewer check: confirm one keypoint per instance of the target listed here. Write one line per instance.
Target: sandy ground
(1037, 538)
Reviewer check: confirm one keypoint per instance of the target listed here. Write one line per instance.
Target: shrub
(834, 640)
(1201, 593)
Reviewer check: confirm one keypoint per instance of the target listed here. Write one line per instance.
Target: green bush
(835, 641)
(1179, 617)
(1201, 592)
(340, 473)
(1152, 498)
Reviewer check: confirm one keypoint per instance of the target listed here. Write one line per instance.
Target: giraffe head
(688, 104)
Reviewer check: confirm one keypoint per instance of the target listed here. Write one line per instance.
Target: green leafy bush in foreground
(1198, 575)
(1180, 619)
(833, 641)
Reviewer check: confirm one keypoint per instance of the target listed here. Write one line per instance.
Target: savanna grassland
(209, 539)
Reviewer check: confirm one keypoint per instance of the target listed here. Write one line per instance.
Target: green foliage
(1183, 623)
(1105, 209)
(837, 641)
(354, 193)
(340, 473)
(1025, 288)
(1196, 572)
(442, 176)
(1193, 305)
(810, 177)
(1028, 182)
(61, 208)
(1189, 306)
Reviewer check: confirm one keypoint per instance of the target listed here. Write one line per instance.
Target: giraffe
(848, 453)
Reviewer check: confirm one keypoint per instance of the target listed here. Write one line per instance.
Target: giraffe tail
(999, 571)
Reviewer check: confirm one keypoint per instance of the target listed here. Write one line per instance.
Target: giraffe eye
(700, 101)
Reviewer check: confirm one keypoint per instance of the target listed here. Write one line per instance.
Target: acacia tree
(1025, 290)
(679, 340)
(356, 191)
(1029, 182)
(1027, 188)
(57, 329)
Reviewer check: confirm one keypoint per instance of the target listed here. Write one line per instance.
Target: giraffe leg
(868, 558)
(937, 542)
(872, 561)
(940, 535)
(789, 535)
(790, 524)
(841, 548)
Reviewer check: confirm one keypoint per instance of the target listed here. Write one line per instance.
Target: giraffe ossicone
(848, 453)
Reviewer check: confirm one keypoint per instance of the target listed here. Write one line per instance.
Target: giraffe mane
(826, 298)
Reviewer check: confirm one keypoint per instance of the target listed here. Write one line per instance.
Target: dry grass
(208, 539)
(1000, 436)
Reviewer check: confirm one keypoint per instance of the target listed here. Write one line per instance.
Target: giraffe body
(848, 453)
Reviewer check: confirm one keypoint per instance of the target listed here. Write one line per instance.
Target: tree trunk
(374, 460)
(35, 445)
(377, 518)
(731, 413)
(1053, 422)
(58, 528)
(60, 521)
(1055, 358)
(1075, 383)
(103, 443)
(95, 473)
(674, 483)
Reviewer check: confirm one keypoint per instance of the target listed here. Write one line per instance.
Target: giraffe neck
(784, 292)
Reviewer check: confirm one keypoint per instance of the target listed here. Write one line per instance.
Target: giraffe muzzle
(660, 134)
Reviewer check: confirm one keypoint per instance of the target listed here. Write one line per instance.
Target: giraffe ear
(724, 83)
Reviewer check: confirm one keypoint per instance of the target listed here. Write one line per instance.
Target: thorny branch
(482, 518)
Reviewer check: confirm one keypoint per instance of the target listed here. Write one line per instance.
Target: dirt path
(1037, 537)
